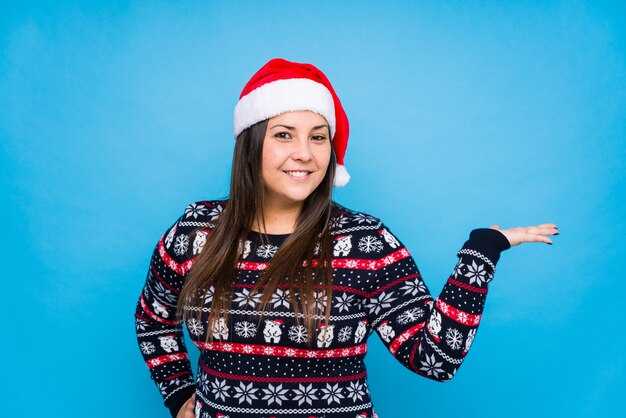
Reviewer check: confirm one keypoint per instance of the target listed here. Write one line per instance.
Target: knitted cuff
(176, 401)
(489, 242)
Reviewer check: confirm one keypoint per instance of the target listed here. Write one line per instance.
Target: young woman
(280, 287)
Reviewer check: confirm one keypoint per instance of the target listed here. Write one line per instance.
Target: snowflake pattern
(245, 329)
(208, 296)
(181, 245)
(476, 273)
(431, 366)
(170, 236)
(370, 243)
(454, 338)
(140, 324)
(382, 301)
(344, 302)
(332, 393)
(246, 299)
(219, 388)
(304, 394)
(281, 298)
(320, 299)
(203, 381)
(410, 315)
(297, 334)
(275, 394)
(414, 287)
(164, 293)
(266, 250)
(338, 222)
(216, 212)
(458, 270)
(195, 327)
(195, 210)
(344, 334)
(147, 347)
(364, 218)
(245, 393)
(355, 391)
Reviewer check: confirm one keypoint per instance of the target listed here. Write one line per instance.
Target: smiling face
(296, 154)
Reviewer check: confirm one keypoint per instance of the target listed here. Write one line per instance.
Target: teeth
(297, 173)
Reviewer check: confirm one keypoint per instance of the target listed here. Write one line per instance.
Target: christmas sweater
(270, 371)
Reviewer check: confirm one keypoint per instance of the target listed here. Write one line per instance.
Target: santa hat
(283, 86)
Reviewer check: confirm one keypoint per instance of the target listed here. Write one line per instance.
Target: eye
(319, 138)
(282, 135)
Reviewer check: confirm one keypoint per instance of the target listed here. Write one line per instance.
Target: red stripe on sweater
(412, 357)
(281, 351)
(174, 376)
(458, 315)
(392, 284)
(349, 263)
(152, 315)
(181, 268)
(163, 282)
(467, 286)
(168, 358)
(402, 338)
(319, 379)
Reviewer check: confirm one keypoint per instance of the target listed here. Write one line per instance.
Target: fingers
(533, 233)
(540, 232)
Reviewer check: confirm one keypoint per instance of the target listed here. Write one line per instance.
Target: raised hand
(519, 234)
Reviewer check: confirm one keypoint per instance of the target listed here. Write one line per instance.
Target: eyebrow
(291, 128)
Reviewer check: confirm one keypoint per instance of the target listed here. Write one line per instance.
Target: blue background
(115, 115)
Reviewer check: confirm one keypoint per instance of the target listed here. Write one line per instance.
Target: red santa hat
(283, 86)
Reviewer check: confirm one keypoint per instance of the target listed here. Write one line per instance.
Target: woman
(288, 337)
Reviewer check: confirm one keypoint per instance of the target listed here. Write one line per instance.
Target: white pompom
(341, 176)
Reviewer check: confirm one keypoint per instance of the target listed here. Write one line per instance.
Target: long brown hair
(292, 266)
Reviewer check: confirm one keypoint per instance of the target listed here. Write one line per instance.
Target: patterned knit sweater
(269, 370)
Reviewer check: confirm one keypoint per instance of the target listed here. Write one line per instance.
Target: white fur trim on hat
(282, 96)
(342, 177)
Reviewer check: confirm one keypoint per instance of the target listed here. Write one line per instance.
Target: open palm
(538, 233)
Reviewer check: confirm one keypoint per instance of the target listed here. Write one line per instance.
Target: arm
(432, 337)
(159, 335)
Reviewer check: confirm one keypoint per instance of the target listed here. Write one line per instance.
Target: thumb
(495, 226)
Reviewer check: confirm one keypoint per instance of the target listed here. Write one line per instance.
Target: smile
(298, 174)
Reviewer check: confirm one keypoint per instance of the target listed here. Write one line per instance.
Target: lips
(298, 174)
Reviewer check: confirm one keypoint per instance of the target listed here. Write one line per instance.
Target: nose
(302, 150)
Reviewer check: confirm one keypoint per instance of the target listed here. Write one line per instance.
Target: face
(296, 154)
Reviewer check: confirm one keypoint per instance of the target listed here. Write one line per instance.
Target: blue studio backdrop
(115, 115)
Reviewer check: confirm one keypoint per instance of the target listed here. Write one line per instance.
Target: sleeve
(159, 334)
(432, 337)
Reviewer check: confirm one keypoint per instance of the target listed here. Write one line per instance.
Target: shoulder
(361, 235)
(202, 211)
(197, 215)
(187, 234)
(345, 220)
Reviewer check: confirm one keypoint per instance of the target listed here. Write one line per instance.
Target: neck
(278, 219)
